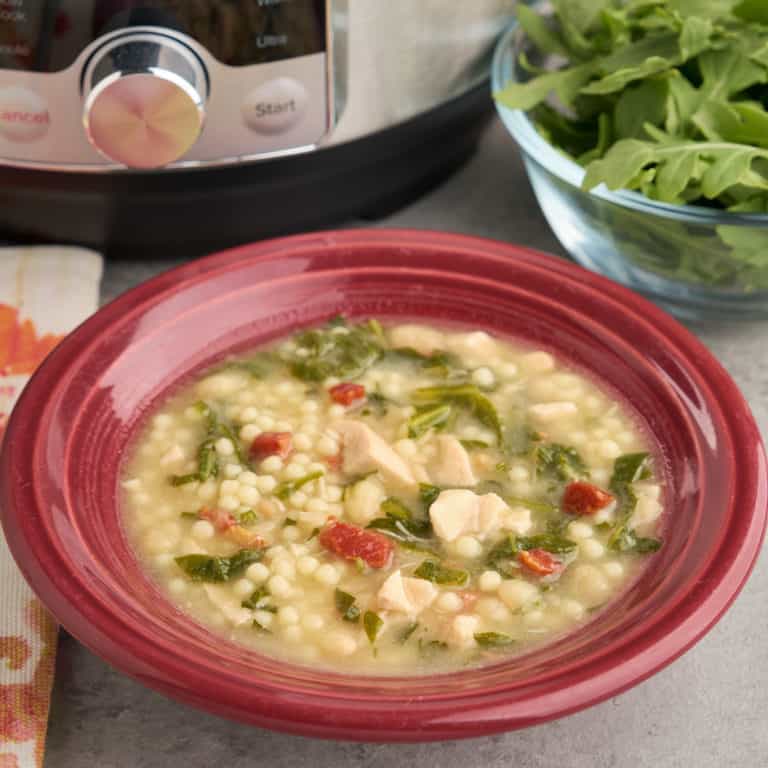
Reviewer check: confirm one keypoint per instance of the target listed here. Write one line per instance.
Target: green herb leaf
(287, 488)
(559, 462)
(467, 397)
(257, 599)
(429, 418)
(493, 639)
(190, 515)
(372, 624)
(428, 494)
(346, 606)
(260, 627)
(408, 632)
(345, 352)
(439, 574)
(217, 569)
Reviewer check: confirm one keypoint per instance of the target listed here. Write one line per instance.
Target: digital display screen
(49, 35)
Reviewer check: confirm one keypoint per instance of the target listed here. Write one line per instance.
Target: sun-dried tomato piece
(347, 393)
(540, 562)
(221, 520)
(582, 498)
(350, 542)
(272, 444)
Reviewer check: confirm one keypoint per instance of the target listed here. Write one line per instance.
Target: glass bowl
(697, 262)
(66, 440)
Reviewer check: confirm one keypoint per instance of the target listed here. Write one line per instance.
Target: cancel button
(275, 106)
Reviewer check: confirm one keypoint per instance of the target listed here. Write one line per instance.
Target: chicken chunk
(453, 466)
(406, 595)
(424, 340)
(457, 512)
(365, 451)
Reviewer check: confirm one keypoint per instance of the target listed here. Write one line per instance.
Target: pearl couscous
(390, 500)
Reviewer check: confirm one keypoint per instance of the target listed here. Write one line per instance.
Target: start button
(275, 106)
(23, 115)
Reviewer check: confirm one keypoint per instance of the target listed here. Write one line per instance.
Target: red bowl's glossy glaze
(67, 439)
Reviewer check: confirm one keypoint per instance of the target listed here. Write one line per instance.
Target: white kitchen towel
(44, 293)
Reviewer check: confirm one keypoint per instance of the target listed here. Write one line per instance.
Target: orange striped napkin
(44, 293)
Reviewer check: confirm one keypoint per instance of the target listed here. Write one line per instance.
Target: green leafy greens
(628, 469)
(346, 605)
(336, 350)
(668, 98)
(437, 573)
(207, 458)
(217, 569)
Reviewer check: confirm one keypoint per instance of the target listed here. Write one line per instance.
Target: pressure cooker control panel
(103, 84)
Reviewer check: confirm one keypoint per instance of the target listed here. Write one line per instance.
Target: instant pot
(179, 126)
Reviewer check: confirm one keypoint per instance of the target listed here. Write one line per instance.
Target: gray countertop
(708, 709)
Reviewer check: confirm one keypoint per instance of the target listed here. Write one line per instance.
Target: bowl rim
(350, 719)
(568, 170)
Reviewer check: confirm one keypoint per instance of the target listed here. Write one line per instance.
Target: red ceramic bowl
(67, 439)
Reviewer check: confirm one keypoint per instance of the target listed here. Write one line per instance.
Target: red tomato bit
(347, 393)
(582, 498)
(540, 562)
(350, 542)
(272, 444)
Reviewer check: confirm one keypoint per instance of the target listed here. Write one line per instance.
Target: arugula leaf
(372, 623)
(429, 418)
(346, 605)
(668, 98)
(288, 487)
(338, 350)
(559, 462)
(628, 469)
(217, 569)
(465, 396)
(428, 494)
(437, 573)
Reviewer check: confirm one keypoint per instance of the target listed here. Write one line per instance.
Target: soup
(392, 500)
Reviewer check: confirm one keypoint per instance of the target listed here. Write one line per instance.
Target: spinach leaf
(346, 605)
(437, 573)
(218, 569)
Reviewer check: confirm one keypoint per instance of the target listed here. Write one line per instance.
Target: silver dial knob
(145, 96)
